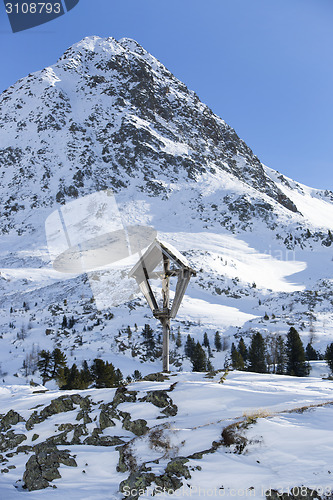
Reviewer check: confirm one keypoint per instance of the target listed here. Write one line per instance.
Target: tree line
(100, 374)
(276, 354)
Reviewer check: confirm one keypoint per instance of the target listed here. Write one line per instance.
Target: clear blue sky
(264, 66)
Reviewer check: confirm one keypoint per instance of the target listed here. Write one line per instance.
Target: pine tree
(210, 367)
(236, 358)
(296, 364)
(189, 346)
(85, 374)
(70, 323)
(178, 339)
(257, 354)
(217, 342)
(280, 356)
(205, 342)
(198, 358)
(129, 332)
(63, 377)
(329, 356)
(149, 340)
(64, 322)
(74, 380)
(44, 365)
(137, 375)
(310, 353)
(104, 374)
(242, 349)
(58, 361)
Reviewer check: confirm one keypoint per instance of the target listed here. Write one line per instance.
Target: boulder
(11, 418)
(42, 467)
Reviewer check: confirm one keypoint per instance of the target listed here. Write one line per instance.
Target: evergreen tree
(71, 322)
(104, 374)
(44, 365)
(296, 364)
(189, 346)
(149, 340)
(58, 361)
(280, 356)
(74, 380)
(217, 342)
(85, 374)
(329, 356)
(129, 332)
(310, 353)
(210, 367)
(63, 377)
(178, 339)
(137, 375)
(257, 354)
(198, 358)
(237, 360)
(242, 349)
(205, 342)
(64, 322)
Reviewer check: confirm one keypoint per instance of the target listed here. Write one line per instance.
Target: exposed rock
(58, 405)
(177, 467)
(122, 395)
(158, 398)
(11, 418)
(138, 427)
(105, 419)
(161, 399)
(43, 466)
(156, 377)
(66, 427)
(141, 478)
(84, 415)
(10, 440)
(98, 440)
(296, 493)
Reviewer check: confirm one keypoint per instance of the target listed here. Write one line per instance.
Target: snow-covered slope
(108, 115)
(261, 432)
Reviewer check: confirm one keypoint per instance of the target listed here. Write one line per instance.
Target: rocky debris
(122, 395)
(142, 477)
(96, 439)
(127, 461)
(296, 493)
(84, 415)
(156, 377)
(138, 427)
(161, 399)
(10, 440)
(177, 467)
(106, 415)
(60, 405)
(43, 466)
(11, 418)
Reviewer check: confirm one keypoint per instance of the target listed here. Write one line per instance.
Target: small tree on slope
(296, 364)
(257, 354)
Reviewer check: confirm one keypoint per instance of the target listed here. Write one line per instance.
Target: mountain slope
(108, 115)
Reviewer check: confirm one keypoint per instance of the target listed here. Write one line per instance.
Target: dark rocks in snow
(11, 418)
(296, 493)
(10, 440)
(43, 466)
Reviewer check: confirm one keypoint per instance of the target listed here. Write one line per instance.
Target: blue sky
(264, 66)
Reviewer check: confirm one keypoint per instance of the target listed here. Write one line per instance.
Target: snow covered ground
(288, 435)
